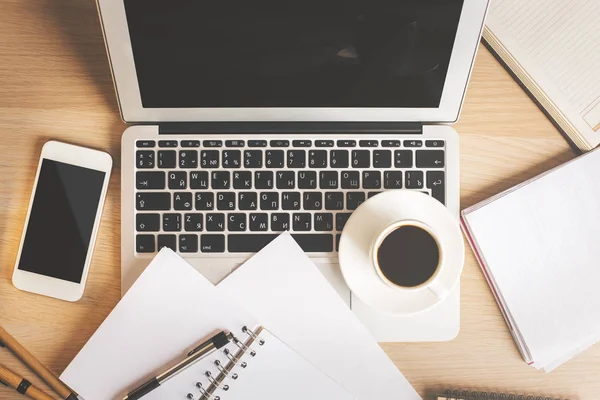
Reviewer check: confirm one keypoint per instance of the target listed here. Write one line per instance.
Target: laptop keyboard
(235, 196)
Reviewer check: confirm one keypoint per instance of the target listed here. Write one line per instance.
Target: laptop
(254, 117)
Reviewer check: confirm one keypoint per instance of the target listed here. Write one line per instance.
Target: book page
(558, 43)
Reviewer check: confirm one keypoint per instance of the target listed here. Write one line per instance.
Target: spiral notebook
(477, 395)
(168, 311)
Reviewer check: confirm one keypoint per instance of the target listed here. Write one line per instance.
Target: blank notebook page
(540, 242)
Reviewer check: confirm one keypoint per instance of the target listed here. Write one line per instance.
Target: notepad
(537, 244)
(553, 48)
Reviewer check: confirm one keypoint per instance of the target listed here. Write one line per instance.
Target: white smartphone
(62, 222)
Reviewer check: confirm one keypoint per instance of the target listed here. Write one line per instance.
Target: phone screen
(61, 222)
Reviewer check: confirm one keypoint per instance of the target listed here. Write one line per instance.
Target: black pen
(214, 343)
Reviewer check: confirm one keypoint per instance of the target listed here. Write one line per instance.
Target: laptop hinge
(179, 128)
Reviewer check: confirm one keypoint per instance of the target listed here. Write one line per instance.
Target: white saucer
(368, 221)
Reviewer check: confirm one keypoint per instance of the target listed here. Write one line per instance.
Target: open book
(553, 48)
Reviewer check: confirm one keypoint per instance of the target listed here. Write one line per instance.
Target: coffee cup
(401, 252)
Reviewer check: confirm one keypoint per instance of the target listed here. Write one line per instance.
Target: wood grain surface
(55, 83)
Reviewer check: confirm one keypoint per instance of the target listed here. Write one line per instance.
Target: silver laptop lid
(278, 60)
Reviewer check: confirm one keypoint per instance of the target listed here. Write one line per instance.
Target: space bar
(251, 243)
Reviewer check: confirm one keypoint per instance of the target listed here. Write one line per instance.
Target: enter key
(436, 182)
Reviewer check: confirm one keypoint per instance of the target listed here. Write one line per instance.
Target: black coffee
(408, 256)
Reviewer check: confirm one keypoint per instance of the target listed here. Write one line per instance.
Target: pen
(214, 343)
(21, 385)
(6, 340)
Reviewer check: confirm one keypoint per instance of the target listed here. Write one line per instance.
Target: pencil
(40, 370)
(21, 385)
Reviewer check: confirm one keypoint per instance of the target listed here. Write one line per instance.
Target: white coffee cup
(367, 229)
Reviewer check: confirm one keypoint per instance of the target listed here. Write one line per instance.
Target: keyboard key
(390, 143)
(193, 222)
(371, 179)
(182, 201)
(350, 180)
(301, 222)
(242, 180)
(302, 143)
(167, 158)
(169, 241)
(199, 180)
(372, 194)
(190, 143)
(361, 158)
(236, 222)
(317, 159)
(324, 143)
(434, 143)
(147, 222)
(334, 201)
(259, 222)
(392, 180)
(307, 180)
(323, 222)
(237, 243)
(346, 143)
(150, 180)
(280, 143)
(247, 201)
(436, 182)
(314, 243)
(263, 180)
(234, 143)
(226, 201)
(188, 243)
(369, 143)
(414, 179)
(145, 159)
(221, 180)
(286, 180)
(430, 158)
(340, 220)
(280, 222)
(257, 143)
(215, 222)
(212, 243)
(205, 201)
(274, 158)
(171, 222)
(209, 158)
(337, 242)
(339, 159)
(269, 201)
(177, 180)
(168, 143)
(403, 159)
(212, 143)
(145, 143)
(354, 199)
(328, 180)
(413, 143)
(313, 201)
(153, 201)
(296, 158)
(145, 244)
(253, 158)
(382, 158)
(290, 200)
(231, 158)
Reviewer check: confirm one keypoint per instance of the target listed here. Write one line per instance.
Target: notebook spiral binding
(476, 395)
(224, 371)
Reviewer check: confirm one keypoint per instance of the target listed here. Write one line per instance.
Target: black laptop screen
(280, 53)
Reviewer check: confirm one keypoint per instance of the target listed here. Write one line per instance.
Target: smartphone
(62, 221)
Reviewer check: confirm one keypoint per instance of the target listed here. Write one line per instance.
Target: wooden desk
(55, 84)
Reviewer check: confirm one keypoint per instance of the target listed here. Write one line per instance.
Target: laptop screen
(280, 53)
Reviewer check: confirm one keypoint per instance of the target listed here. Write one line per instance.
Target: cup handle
(438, 289)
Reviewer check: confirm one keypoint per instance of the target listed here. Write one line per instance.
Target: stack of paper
(537, 244)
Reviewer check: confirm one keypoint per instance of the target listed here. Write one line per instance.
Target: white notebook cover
(537, 244)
